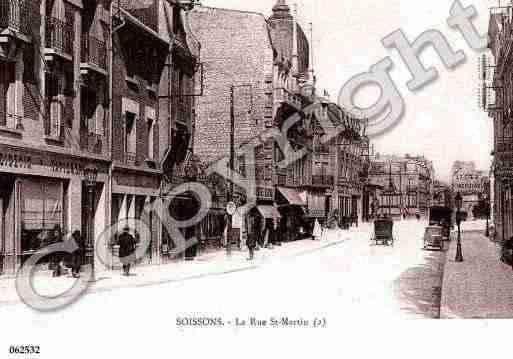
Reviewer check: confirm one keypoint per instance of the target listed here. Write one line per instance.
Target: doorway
(7, 233)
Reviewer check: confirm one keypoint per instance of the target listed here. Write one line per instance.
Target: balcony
(59, 39)
(282, 180)
(91, 142)
(16, 16)
(322, 149)
(10, 123)
(322, 181)
(130, 158)
(266, 194)
(504, 145)
(93, 55)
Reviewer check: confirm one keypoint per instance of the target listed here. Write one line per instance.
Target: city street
(350, 280)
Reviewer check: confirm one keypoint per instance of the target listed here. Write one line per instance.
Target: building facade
(407, 184)
(272, 89)
(472, 184)
(499, 109)
(83, 130)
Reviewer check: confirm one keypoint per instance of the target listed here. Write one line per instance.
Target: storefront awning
(291, 196)
(268, 211)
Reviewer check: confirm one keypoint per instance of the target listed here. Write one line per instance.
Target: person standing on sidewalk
(126, 249)
(251, 243)
(78, 255)
(277, 233)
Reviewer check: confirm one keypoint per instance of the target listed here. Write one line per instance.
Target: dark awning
(268, 211)
(291, 196)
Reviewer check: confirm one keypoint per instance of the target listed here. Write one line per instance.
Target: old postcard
(272, 178)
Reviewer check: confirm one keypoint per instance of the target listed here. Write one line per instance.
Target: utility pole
(232, 165)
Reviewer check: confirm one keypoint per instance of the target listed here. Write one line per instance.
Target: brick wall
(236, 50)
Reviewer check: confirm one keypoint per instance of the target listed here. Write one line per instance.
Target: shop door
(6, 225)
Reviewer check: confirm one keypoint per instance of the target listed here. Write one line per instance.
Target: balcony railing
(10, 121)
(282, 180)
(505, 144)
(322, 148)
(92, 142)
(322, 180)
(16, 15)
(130, 158)
(94, 51)
(59, 36)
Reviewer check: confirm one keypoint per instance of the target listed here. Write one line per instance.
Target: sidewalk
(207, 264)
(481, 286)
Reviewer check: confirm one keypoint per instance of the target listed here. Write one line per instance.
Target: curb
(241, 268)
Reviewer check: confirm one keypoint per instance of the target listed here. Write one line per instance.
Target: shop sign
(15, 160)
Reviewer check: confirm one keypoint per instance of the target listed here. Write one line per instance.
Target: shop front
(135, 196)
(41, 195)
(292, 206)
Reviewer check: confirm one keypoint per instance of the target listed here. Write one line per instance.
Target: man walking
(126, 250)
(251, 243)
(78, 254)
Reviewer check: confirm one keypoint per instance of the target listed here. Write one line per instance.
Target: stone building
(83, 135)
(499, 109)
(48, 147)
(267, 63)
(472, 184)
(407, 184)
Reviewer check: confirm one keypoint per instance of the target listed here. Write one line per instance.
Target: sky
(442, 121)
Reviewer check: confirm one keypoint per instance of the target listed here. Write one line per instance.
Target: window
(150, 126)
(130, 131)
(8, 95)
(41, 211)
(53, 105)
(150, 123)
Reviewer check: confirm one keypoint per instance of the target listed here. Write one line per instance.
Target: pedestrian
(126, 250)
(78, 255)
(251, 243)
(57, 256)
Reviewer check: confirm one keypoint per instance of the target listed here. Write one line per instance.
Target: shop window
(41, 212)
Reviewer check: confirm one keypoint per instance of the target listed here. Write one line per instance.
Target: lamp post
(458, 201)
(232, 159)
(90, 173)
(487, 211)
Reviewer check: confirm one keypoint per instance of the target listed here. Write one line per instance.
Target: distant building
(471, 183)
(406, 181)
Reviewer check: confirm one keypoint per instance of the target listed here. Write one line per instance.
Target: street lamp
(487, 212)
(232, 158)
(458, 201)
(90, 173)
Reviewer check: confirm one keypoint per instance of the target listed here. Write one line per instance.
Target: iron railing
(59, 35)
(505, 144)
(10, 121)
(322, 180)
(130, 158)
(91, 142)
(16, 15)
(94, 51)
(284, 95)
